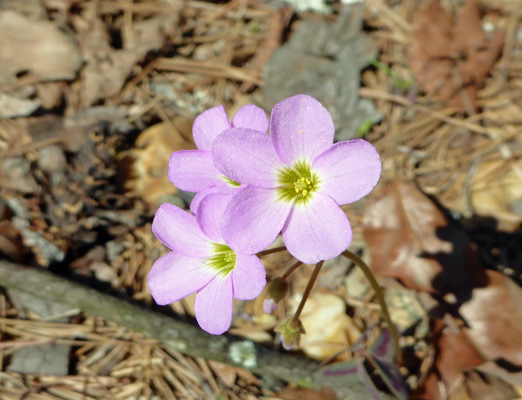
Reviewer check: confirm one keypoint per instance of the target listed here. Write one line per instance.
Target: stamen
(223, 259)
(298, 183)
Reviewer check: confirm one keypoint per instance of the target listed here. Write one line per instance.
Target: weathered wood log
(179, 335)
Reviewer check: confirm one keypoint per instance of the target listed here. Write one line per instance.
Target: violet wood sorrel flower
(202, 262)
(295, 180)
(193, 170)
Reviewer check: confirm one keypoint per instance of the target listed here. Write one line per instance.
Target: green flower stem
(291, 269)
(270, 251)
(308, 289)
(380, 297)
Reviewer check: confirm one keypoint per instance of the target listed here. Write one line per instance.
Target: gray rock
(47, 358)
(325, 61)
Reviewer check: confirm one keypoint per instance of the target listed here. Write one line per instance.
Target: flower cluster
(251, 186)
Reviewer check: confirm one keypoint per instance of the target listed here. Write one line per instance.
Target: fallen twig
(179, 335)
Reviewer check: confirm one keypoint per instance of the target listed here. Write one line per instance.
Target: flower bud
(290, 330)
(269, 305)
(277, 290)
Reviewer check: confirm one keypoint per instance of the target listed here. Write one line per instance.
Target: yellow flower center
(297, 183)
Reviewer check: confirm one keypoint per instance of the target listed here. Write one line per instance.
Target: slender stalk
(308, 289)
(270, 251)
(291, 269)
(380, 297)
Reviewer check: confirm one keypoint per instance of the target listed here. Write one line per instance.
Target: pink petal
(208, 125)
(222, 187)
(174, 277)
(210, 213)
(300, 128)
(213, 306)
(247, 156)
(251, 117)
(193, 170)
(348, 170)
(318, 230)
(253, 219)
(248, 277)
(179, 231)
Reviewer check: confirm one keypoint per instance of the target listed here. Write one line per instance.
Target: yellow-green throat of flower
(222, 260)
(297, 183)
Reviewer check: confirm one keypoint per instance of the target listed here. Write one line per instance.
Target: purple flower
(295, 180)
(202, 262)
(193, 170)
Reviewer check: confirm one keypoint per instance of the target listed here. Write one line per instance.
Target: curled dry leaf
(409, 239)
(451, 57)
(495, 191)
(12, 106)
(328, 329)
(106, 68)
(35, 47)
(430, 390)
(494, 319)
(486, 387)
(455, 354)
(151, 157)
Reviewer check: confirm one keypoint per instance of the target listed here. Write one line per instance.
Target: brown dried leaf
(511, 376)
(495, 192)
(107, 68)
(451, 58)
(494, 318)
(409, 239)
(10, 242)
(227, 373)
(482, 387)
(15, 174)
(36, 47)
(12, 106)
(455, 354)
(155, 145)
(400, 226)
(430, 390)
(328, 329)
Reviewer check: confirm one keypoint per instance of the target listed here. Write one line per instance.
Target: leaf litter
(82, 173)
(451, 56)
